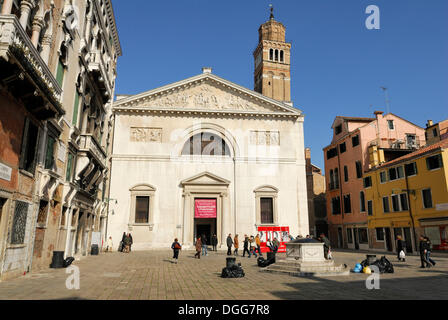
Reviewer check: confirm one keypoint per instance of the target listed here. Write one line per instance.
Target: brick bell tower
(272, 76)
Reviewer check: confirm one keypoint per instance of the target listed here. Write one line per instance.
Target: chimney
(378, 114)
(429, 124)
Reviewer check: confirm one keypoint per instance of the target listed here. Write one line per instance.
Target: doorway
(206, 227)
(340, 238)
(356, 238)
(388, 240)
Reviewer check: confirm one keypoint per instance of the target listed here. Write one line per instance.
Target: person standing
(236, 245)
(110, 245)
(258, 245)
(428, 251)
(229, 244)
(131, 241)
(121, 249)
(327, 245)
(214, 242)
(423, 248)
(276, 245)
(204, 245)
(127, 243)
(198, 246)
(252, 246)
(400, 247)
(246, 246)
(176, 248)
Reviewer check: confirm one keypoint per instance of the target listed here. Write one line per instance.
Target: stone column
(7, 7)
(38, 24)
(25, 10)
(187, 236)
(46, 46)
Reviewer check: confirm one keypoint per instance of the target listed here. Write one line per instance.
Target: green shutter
(49, 157)
(60, 73)
(75, 109)
(68, 176)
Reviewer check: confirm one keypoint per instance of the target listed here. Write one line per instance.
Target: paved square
(151, 275)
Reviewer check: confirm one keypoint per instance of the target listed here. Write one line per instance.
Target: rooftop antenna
(272, 12)
(386, 95)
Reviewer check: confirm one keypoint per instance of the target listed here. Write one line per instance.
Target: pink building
(359, 144)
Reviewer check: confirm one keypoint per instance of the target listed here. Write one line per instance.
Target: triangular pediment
(205, 178)
(205, 93)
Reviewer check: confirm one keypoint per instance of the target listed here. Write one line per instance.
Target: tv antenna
(386, 96)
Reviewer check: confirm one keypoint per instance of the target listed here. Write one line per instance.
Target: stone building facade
(207, 156)
(50, 76)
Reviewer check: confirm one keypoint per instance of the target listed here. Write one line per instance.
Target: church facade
(207, 156)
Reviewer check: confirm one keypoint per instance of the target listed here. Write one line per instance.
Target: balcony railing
(15, 42)
(98, 65)
(88, 144)
(408, 143)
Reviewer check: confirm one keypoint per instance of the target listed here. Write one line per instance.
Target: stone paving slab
(151, 275)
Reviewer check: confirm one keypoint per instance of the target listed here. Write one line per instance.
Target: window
(370, 208)
(75, 110)
(362, 202)
(434, 132)
(347, 204)
(336, 178)
(338, 129)
(396, 173)
(282, 56)
(386, 207)
(267, 210)
(19, 223)
(427, 198)
(42, 214)
(142, 209)
(49, 155)
(345, 173)
(358, 169)
(395, 203)
(410, 169)
(390, 124)
(336, 205)
(332, 153)
(434, 162)
(363, 238)
(63, 217)
(70, 167)
(271, 54)
(206, 144)
(404, 202)
(331, 180)
(355, 141)
(379, 234)
(29, 146)
(342, 147)
(383, 177)
(276, 54)
(349, 235)
(60, 73)
(367, 182)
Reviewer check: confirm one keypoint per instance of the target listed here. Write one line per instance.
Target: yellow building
(408, 196)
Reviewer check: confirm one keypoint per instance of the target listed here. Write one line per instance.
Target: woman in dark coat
(122, 242)
(198, 245)
(214, 242)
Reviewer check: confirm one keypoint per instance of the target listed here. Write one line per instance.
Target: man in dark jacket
(246, 246)
(204, 245)
(423, 248)
(214, 242)
(229, 245)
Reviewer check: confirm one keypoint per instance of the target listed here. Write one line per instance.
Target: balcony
(87, 143)
(97, 68)
(407, 144)
(25, 73)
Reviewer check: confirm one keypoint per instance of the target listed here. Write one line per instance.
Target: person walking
(198, 246)
(252, 246)
(121, 247)
(246, 246)
(110, 245)
(258, 245)
(327, 245)
(176, 248)
(229, 244)
(214, 242)
(204, 245)
(236, 244)
(127, 243)
(428, 251)
(400, 247)
(423, 248)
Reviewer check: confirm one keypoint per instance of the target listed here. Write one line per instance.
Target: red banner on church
(205, 208)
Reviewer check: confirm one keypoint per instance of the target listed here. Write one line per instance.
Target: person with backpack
(176, 248)
(400, 248)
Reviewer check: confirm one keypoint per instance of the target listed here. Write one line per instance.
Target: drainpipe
(340, 192)
(410, 209)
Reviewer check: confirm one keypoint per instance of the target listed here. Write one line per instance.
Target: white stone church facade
(205, 155)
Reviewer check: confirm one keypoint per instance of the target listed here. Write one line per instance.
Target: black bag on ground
(234, 271)
(68, 261)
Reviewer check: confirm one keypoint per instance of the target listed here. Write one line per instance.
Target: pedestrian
(198, 246)
(423, 248)
(400, 247)
(276, 245)
(428, 251)
(258, 245)
(121, 248)
(229, 244)
(214, 242)
(246, 246)
(252, 246)
(236, 245)
(127, 243)
(131, 242)
(176, 248)
(110, 245)
(327, 245)
(204, 245)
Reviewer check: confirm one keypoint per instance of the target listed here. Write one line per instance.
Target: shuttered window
(142, 210)
(267, 210)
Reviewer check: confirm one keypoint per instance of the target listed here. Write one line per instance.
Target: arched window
(271, 54)
(282, 56)
(206, 144)
(276, 54)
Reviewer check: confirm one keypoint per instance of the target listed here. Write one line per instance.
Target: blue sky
(338, 65)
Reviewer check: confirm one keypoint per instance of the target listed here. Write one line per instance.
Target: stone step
(345, 272)
(305, 269)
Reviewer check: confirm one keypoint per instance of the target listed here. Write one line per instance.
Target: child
(176, 248)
